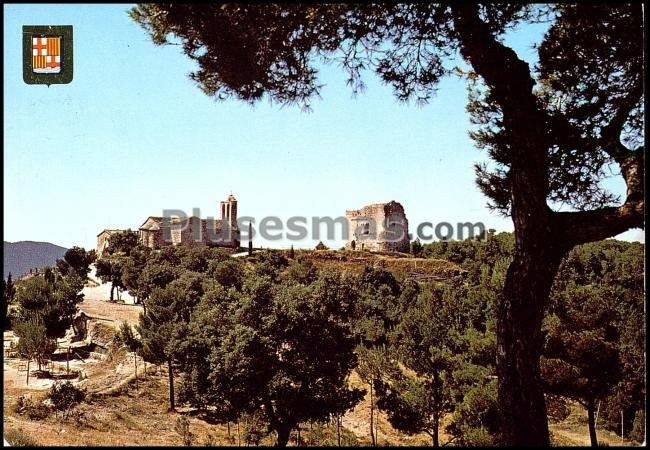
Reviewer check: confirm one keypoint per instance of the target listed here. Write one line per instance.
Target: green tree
(127, 337)
(45, 309)
(65, 396)
(132, 272)
(182, 427)
(377, 311)
(33, 341)
(197, 258)
(425, 343)
(163, 327)
(416, 247)
(475, 421)
(271, 263)
(250, 239)
(282, 351)
(55, 303)
(301, 270)
(228, 273)
(78, 260)
(109, 270)
(585, 97)
(122, 242)
(8, 294)
(581, 356)
(613, 271)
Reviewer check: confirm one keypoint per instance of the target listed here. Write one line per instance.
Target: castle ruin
(378, 227)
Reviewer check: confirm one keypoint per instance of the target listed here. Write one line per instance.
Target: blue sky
(132, 135)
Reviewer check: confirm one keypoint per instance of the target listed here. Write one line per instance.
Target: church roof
(151, 223)
(154, 223)
(110, 231)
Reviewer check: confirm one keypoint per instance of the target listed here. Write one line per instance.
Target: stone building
(102, 240)
(378, 227)
(223, 232)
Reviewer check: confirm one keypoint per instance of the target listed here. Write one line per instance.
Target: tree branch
(575, 228)
(611, 134)
(511, 86)
(533, 130)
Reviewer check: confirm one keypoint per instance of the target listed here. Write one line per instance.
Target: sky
(132, 135)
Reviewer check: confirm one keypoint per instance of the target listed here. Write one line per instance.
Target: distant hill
(21, 256)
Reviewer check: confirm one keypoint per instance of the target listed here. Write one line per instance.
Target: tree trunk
(520, 341)
(372, 416)
(171, 385)
(112, 289)
(27, 382)
(135, 363)
(338, 430)
(283, 436)
(538, 246)
(436, 433)
(592, 424)
(542, 236)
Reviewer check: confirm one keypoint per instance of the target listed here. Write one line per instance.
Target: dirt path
(114, 313)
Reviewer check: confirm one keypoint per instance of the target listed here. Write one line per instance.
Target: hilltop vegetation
(423, 347)
(287, 340)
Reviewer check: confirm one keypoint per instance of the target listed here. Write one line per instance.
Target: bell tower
(229, 211)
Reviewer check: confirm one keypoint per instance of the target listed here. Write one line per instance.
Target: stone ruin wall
(378, 239)
(152, 238)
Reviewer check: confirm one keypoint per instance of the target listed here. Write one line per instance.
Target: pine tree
(250, 239)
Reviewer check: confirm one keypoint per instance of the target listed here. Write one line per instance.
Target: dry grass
(400, 264)
(114, 313)
(574, 430)
(137, 414)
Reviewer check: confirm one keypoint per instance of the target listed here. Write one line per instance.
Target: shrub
(557, 408)
(17, 438)
(253, 428)
(33, 410)
(65, 395)
(182, 427)
(478, 437)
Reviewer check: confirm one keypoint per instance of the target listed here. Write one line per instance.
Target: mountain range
(21, 256)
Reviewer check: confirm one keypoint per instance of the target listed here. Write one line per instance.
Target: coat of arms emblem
(47, 54)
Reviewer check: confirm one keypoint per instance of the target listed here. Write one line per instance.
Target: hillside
(21, 256)
(402, 265)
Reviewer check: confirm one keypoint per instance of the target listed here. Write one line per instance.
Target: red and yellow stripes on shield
(46, 52)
